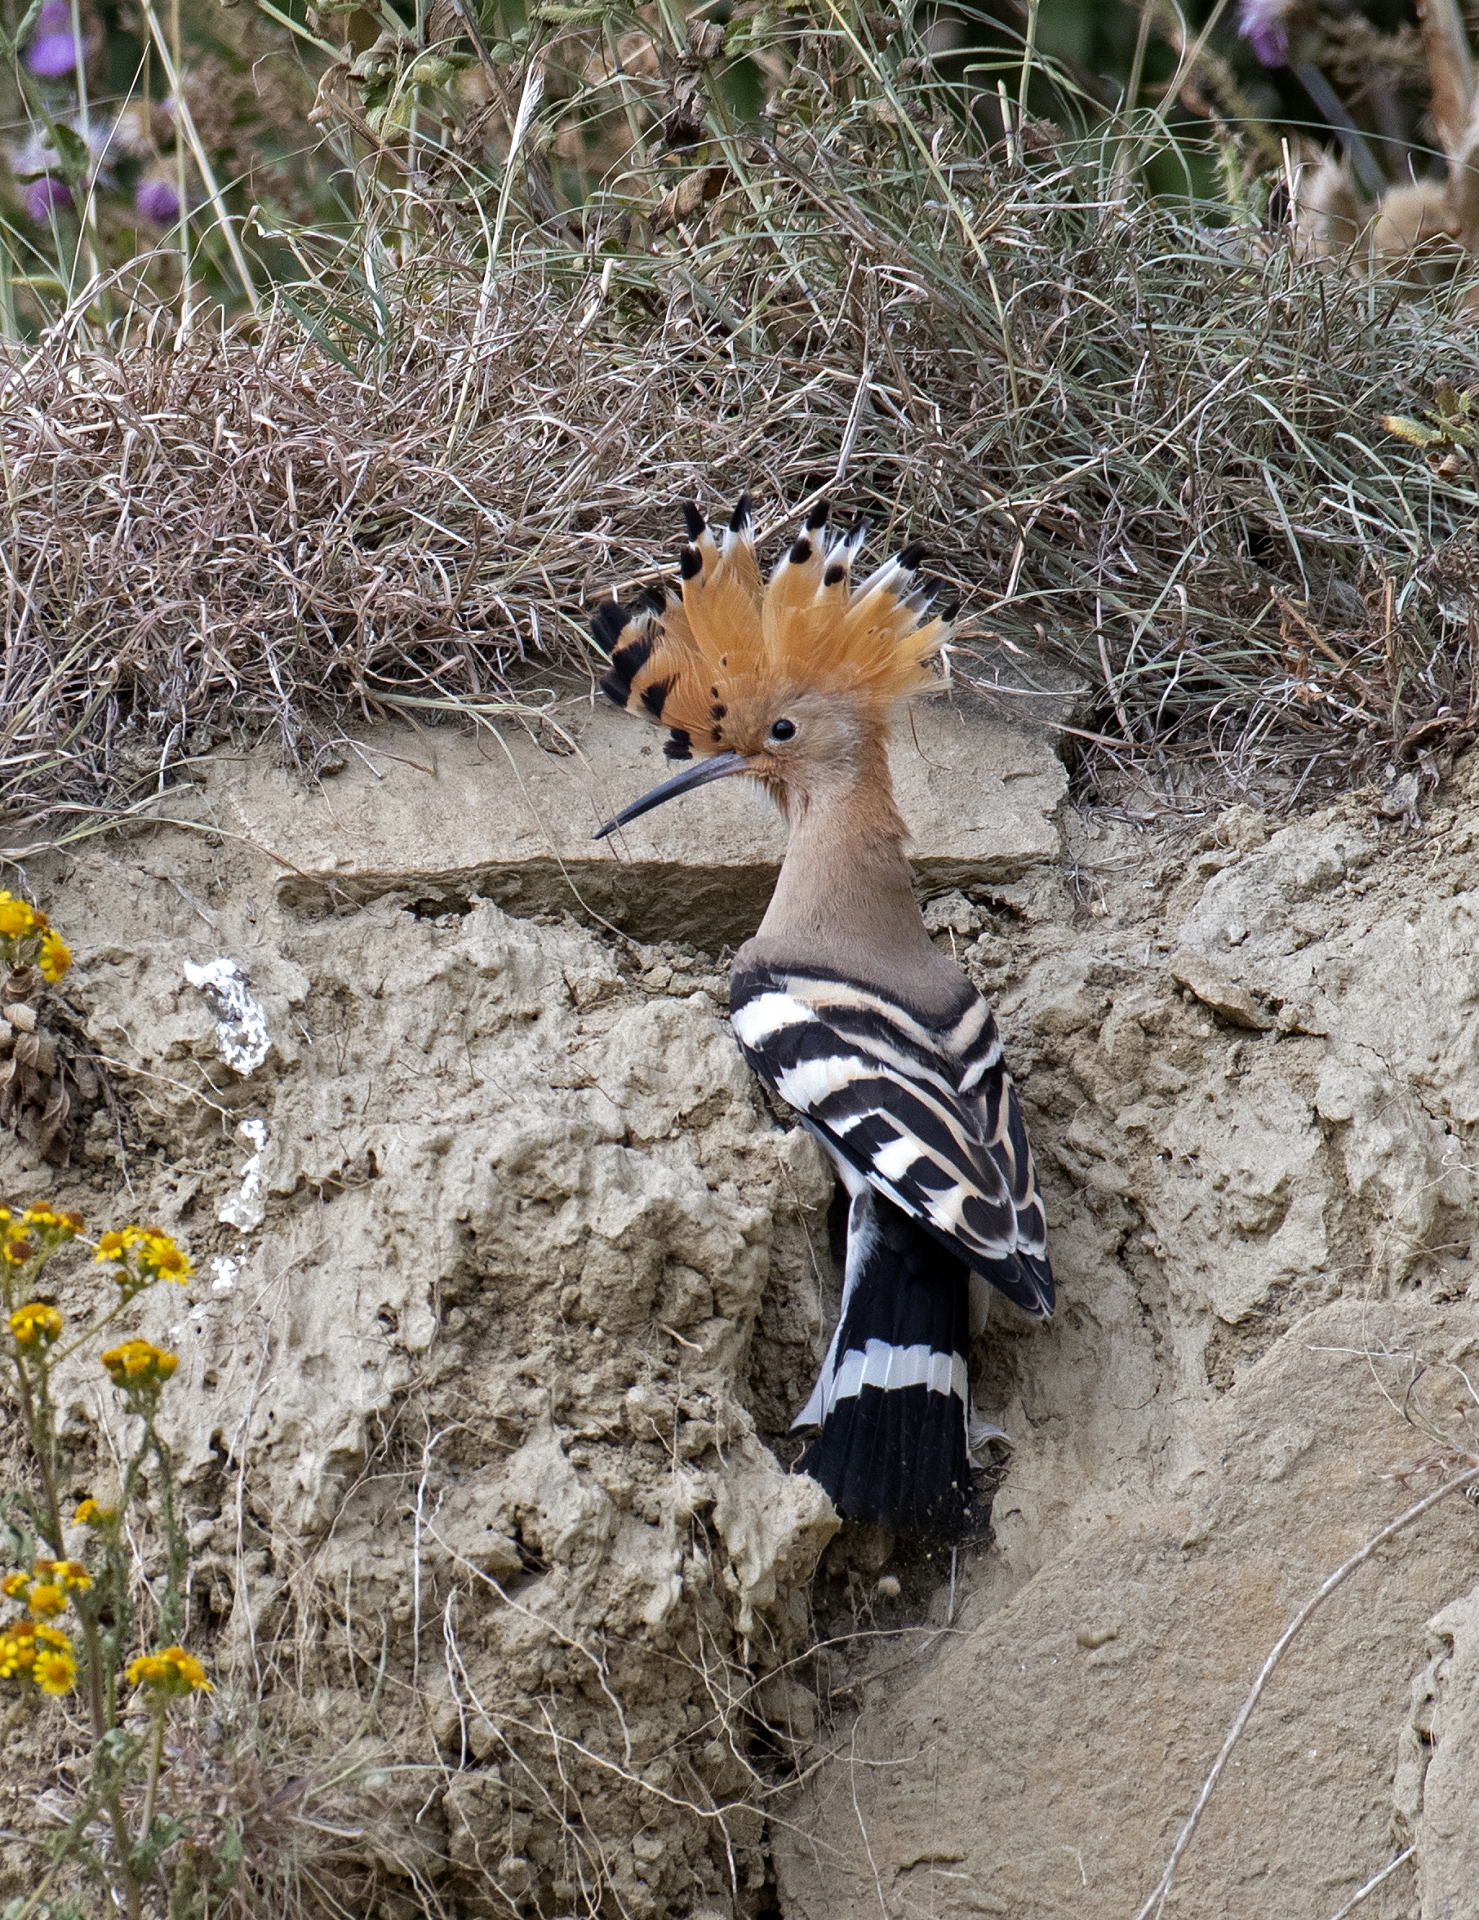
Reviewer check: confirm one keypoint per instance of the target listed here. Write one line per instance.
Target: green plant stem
(1137, 63)
(92, 1332)
(88, 213)
(131, 1894)
(36, 108)
(38, 1432)
(181, 181)
(673, 21)
(81, 1820)
(151, 1784)
(78, 1825)
(105, 1708)
(1128, 156)
(99, 1701)
(172, 1607)
(624, 90)
(325, 47)
(1029, 50)
(185, 123)
(34, 1412)
(1188, 57)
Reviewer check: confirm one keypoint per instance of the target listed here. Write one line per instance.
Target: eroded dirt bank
(510, 1278)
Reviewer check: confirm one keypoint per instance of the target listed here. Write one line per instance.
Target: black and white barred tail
(892, 1401)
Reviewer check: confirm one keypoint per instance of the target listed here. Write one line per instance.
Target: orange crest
(695, 663)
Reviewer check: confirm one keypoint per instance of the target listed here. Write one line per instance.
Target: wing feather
(928, 1116)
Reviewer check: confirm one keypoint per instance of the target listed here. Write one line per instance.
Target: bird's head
(786, 682)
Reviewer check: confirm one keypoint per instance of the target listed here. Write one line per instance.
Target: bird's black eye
(783, 730)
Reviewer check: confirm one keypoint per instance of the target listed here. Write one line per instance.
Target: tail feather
(892, 1400)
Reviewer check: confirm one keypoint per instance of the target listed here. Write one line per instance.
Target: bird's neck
(845, 895)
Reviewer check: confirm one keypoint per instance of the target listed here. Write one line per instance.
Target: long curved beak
(718, 766)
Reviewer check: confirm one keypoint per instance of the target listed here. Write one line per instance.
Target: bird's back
(907, 1085)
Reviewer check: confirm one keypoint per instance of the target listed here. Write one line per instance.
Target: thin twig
(1373, 1883)
(1311, 1606)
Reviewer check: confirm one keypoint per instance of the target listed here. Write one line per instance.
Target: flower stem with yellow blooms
(28, 939)
(93, 1598)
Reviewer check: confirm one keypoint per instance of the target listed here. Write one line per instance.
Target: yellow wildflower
(52, 1227)
(54, 1671)
(16, 918)
(90, 1514)
(35, 1324)
(170, 1671)
(46, 1598)
(139, 1363)
(29, 1652)
(15, 1586)
(56, 956)
(17, 1249)
(142, 1255)
(72, 1575)
(17, 1650)
(158, 1255)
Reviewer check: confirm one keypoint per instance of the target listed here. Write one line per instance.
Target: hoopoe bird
(841, 1002)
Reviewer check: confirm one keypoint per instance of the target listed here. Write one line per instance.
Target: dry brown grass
(1141, 435)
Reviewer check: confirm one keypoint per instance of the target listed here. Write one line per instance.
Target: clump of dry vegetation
(1141, 431)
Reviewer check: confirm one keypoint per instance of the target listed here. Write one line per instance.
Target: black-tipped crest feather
(610, 617)
(727, 635)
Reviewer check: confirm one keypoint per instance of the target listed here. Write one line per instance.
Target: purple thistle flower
(1264, 25)
(54, 52)
(157, 200)
(44, 194)
(53, 56)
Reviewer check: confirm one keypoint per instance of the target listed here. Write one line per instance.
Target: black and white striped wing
(928, 1115)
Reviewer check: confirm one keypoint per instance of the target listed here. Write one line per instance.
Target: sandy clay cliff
(510, 1278)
